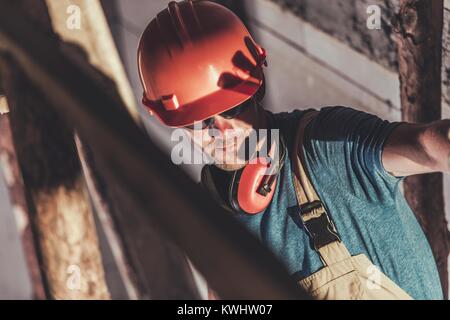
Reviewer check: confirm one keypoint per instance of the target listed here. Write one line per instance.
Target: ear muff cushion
(248, 198)
(237, 191)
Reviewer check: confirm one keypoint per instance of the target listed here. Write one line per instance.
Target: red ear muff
(249, 192)
(251, 189)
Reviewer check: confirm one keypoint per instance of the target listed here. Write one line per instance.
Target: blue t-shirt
(343, 150)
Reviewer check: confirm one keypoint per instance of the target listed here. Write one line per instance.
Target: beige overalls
(343, 277)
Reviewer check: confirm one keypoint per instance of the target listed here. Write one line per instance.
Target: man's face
(224, 140)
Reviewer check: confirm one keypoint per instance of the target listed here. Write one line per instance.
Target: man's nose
(221, 124)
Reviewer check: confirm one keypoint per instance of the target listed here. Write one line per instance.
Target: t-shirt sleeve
(355, 140)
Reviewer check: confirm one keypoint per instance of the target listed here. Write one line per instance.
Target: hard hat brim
(224, 99)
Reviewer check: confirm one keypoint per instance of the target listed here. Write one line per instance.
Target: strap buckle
(318, 224)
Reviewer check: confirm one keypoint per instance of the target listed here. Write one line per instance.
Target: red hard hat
(197, 59)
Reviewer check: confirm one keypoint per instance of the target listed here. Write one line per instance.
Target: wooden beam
(420, 63)
(95, 39)
(57, 199)
(17, 194)
(104, 205)
(144, 276)
(161, 273)
(58, 202)
(232, 260)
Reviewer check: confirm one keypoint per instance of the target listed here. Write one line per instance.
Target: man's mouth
(224, 145)
(228, 146)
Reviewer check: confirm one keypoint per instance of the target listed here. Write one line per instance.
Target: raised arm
(417, 149)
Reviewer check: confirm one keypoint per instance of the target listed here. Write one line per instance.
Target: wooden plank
(58, 203)
(95, 39)
(101, 60)
(17, 196)
(234, 262)
(104, 205)
(420, 62)
(162, 272)
(57, 199)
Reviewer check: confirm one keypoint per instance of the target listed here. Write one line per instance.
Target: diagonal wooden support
(151, 265)
(235, 264)
(95, 39)
(163, 272)
(144, 276)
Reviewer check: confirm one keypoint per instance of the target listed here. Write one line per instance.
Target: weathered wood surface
(420, 25)
(234, 262)
(95, 39)
(17, 195)
(149, 264)
(56, 195)
(155, 267)
(57, 199)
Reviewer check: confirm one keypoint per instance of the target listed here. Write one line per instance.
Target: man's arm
(416, 149)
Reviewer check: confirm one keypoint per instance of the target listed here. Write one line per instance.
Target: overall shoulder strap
(312, 212)
(303, 186)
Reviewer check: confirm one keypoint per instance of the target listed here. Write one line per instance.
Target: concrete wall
(311, 68)
(346, 20)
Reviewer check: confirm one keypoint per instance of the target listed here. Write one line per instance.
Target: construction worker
(354, 237)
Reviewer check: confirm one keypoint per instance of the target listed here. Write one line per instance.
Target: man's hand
(416, 149)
